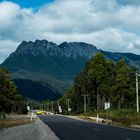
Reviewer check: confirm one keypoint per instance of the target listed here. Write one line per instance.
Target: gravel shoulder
(34, 131)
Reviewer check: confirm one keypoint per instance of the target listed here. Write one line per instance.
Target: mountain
(131, 59)
(43, 69)
(36, 90)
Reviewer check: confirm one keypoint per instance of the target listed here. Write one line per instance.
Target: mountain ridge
(44, 47)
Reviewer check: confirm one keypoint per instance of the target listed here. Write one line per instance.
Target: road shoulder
(34, 131)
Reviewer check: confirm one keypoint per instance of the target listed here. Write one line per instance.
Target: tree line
(10, 99)
(102, 81)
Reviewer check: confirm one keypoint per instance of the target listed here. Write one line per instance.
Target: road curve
(70, 129)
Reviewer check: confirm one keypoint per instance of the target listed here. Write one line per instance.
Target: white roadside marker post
(97, 118)
(137, 92)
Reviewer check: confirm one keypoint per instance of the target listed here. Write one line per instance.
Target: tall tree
(123, 86)
(103, 80)
(10, 100)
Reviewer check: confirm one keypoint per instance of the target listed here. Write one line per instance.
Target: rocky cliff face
(44, 48)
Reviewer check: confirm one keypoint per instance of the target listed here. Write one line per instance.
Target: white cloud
(6, 47)
(107, 24)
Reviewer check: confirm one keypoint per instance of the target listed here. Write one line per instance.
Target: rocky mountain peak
(41, 42)
(65, 49)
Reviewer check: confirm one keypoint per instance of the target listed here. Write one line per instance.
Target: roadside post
(31, 118)
(107, 107)
(137, 92)
(60, 109)
(28, 109)
(69, 109)
(97, 118)
(31, 112)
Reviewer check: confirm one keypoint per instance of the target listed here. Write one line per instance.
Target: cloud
(6, 47)
(111, 25)
(136, 45)
(129, 2)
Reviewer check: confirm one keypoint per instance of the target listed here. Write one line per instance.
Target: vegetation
(123, 117)
(10, 100)
(103, 81)
(55, 72)
(36, 90)
(51, 106)
(10, 122)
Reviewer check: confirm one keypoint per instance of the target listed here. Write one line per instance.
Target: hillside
(54, 65)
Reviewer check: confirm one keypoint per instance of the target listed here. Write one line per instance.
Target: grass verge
(124, 118)
(4, 123)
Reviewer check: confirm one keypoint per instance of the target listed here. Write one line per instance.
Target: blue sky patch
(30, 3)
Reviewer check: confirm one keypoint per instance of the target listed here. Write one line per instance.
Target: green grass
(4, 123)
(122, 117)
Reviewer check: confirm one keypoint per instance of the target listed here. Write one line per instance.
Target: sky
(111, 25)
(31, 3)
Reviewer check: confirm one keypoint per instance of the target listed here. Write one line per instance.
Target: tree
(123, 86)
(97, 74)
(10, 100)
(103, 80)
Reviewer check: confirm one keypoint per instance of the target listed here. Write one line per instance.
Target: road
(71, 129)
(35, 130)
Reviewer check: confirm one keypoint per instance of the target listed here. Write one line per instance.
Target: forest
(10, 100)
(102, 81)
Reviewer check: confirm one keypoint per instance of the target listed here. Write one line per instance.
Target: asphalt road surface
(70, 129)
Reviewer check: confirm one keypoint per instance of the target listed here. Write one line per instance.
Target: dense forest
(10, 100)
(102, 81)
